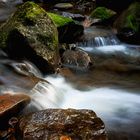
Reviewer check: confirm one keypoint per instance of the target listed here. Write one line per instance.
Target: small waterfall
(118, 109)
(100, 41)
(104, 41)
(97, 37)
(45, 95)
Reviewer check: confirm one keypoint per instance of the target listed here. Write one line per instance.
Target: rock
(85, 6)
(102, 13)
(18, 74)
(68, 29)
(77, 17)
(76, 58)
(11, 105)
(31, 34)
(128, 24)
(60, 124)
(63, 6)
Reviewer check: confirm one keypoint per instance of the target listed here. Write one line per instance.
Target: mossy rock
(68, 29)
(30, 33)
(130, 18)
(128, 24)
(102, 13)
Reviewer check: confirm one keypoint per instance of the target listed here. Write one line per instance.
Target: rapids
(111, 88)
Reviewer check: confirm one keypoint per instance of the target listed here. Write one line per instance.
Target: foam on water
(119, 109)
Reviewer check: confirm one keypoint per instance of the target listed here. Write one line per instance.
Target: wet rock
(11, 105)
(18, 74)
(128, 24)
(68, 29)
(69, 124)
(76, 58)
(85, 6)
(63, 6)
(77, 17)
(31, 34)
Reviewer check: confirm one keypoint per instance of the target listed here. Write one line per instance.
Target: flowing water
(110, 88)
(7, 7)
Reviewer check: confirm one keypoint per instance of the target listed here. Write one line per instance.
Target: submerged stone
(60, 124)
(10, 106)
(77, 17)
(30, 33)
(76, 58)
(68, 29)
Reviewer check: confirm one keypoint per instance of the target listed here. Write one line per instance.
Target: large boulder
(10, 106)
(60, 124)
(128, 24)
(69, 30)
(30, 33)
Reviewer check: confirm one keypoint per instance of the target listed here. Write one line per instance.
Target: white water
(118, 109)
(126, 49)
(100, 41)
(97, 36)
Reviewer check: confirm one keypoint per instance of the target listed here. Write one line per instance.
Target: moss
(36, 29)
(133, 16)
(130, 18)
(59, 20)
(131, 22)
(29, 11)
(102, 13)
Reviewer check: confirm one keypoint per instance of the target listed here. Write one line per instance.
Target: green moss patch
(102, 13)
(59, 20)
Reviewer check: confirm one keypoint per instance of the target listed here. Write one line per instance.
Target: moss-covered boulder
(68, 29)
(30, 33)
(128, 23)
(102, 13)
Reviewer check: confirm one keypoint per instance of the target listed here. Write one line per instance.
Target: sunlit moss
(59, 20)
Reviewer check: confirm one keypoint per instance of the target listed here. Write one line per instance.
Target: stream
(111, 88)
